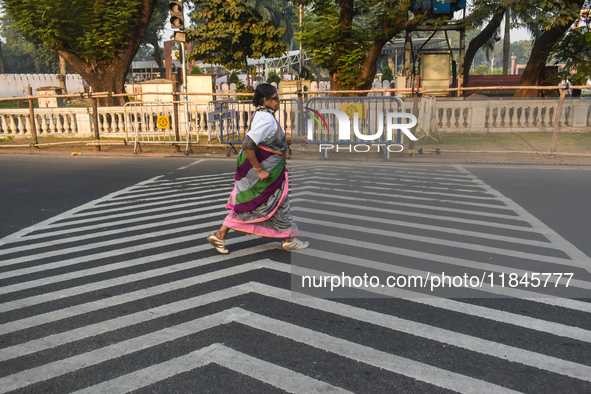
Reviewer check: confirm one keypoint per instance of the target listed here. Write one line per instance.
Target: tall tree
(228, 33)
(98, 38)
(346, 37)
(557, 17)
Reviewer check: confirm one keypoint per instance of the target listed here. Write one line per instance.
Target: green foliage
(273, 77)
(230, 32)
(339, 49)
(575, 50)
(482, 69)
(234, 78)
(346, 37)
(94, 30)
(387, 74)
(196, 70)
(241, 88)
(281, 13)
(22, 57)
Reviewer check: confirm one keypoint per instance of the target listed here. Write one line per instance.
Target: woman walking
(260, 201)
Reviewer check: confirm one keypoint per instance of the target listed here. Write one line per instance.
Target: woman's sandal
(217, 243)
(295, 244)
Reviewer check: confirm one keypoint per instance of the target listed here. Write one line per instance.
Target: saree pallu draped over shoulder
(258, 207)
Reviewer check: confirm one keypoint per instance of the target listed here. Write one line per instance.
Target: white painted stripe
(269, 291)
(163, 199)
(411, 184)
(444, 197)
(391, 196)
(275, 375)
(206, 177)
(155, 193)
(420, 184)
(139, 294)
(71, 364)
(558, 329)
(137, 209)
(418, 178)
(75, 225)
(175, 185)
(448, 230)
(191, 165)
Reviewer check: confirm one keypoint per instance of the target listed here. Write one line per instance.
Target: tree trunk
(368, 69)
(62, 75)
(538, 58)
(346, 22)
(1, 59)
(109, 75)
(334, 81)
(158, 54)
(480, 40)
(506, 42)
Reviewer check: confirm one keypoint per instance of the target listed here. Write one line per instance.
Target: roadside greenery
(98, 39)
(229, 33)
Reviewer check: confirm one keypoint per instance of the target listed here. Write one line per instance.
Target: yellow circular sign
(163, 122)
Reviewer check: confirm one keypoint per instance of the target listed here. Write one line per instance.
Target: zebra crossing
(124, 294)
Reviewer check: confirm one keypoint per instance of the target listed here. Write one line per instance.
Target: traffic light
(177, 17)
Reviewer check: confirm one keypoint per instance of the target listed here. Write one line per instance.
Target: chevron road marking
(479, 345)
(37, 345)
(155, 197)
(354, 351)
(272, 374)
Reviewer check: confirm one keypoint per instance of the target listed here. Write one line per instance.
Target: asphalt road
(107, 284)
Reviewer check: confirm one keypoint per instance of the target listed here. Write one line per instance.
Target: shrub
(273, 77)
(387, 74)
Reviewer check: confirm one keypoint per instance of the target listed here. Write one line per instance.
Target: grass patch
(18, 103)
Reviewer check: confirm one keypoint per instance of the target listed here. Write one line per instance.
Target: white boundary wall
(15, 85)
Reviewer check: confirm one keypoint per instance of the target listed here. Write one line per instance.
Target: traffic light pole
(185, 98)
(177, 21)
